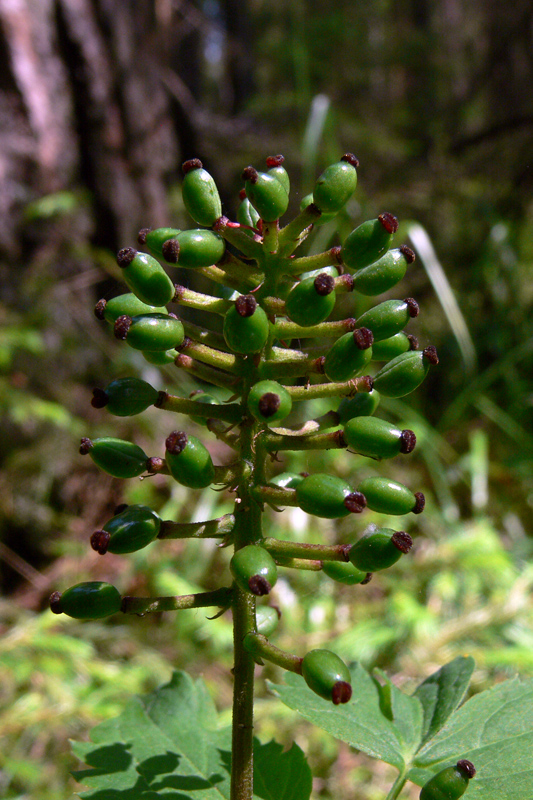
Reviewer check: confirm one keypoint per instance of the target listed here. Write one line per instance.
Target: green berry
(125, 397)
(124, 305)
(363, 404)
(450, 783)
(387, 349)
(388, 318)
(328, 496)
(269, 401)
(155, 239)
(128, 531)
(145, 277)
(344, 572)
(194, 249)
(312, 300)
(246, 325)
(203, 397)
(406, 372)
(390, 497)
(277, 170)
(117, 457)
(200, 193)
(266, 194)
(383, 274)
(327, 675)
(266, 619)
(90, 600)
(188, 461)
(379, 549)
(150, 331)
(349, 355)
(254, 569)
(160, 357)
(369, 241)
(376, 438)
(287, 480)
(336, 185)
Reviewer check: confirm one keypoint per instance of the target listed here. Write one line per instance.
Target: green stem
(208, 355)
(312, 441)
(203, 302)
(322, 552)
(200, 334)
(231, 233)
(318, 261)
(398, 785)
(261, 648)
(211, 529)
(230, 412)
(207, 373)
(284, 329)
(319, 390)
(146, 605)
(293, 234)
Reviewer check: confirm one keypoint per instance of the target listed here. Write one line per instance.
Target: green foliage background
(415, 91)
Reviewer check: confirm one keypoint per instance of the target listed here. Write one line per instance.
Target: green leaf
(360, 722)
(441, 693)
(494, 730)
(167, 747)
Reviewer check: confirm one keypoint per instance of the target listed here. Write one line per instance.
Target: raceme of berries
(267, 336)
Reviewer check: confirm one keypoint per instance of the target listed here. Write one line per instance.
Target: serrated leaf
(359, 722)
(441, 693)
(494, 730)
(167, 747)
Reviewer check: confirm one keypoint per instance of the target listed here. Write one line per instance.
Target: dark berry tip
(259, 585)
(402, 541)
(355, 502)
(350, 324)
(120, 508)
(55, 603)
(162, 397)
(275, 161)
(324, 284)
(368, 577)
(363, 338)
(413, 341)
(192, 163)
(319, 365)
(341, 693)
(245, 305)
(122, 326)
(100, 541)
(347, 282)
(268, 404)
(335, 254)
(420, 503)
(99, 309)
(171, 251)
(141, 236)
(369, 381)
(407, 253)
(431, 354)
(100, 398)
(351, 159)
(389, 222)
(126, 256)
(413, 306)
(242, 194)
(250, 174)
(85, 446)
(179, 291)
(155, 464)
(407, 441)
(466, 767)
(176, 442)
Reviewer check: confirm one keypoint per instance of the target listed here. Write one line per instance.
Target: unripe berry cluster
(267, 297)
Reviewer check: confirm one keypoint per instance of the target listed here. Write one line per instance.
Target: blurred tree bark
(107, 94)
